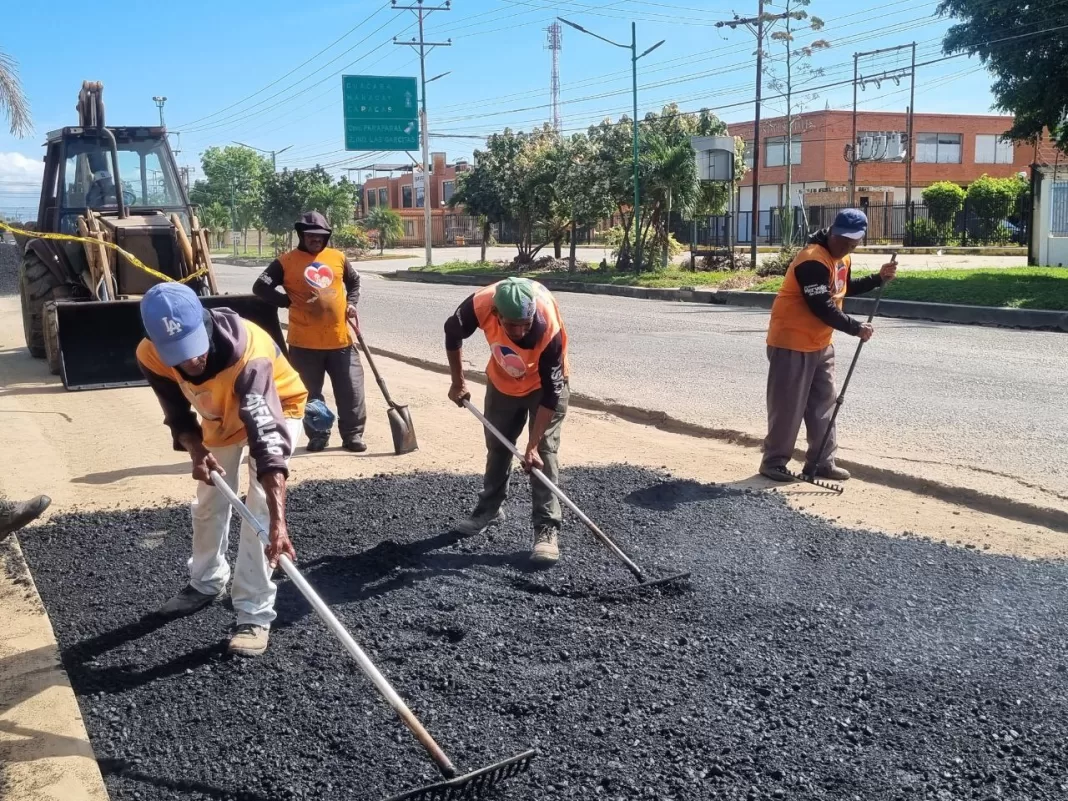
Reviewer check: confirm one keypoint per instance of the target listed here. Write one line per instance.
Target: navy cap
(174, 319)
(850, 223)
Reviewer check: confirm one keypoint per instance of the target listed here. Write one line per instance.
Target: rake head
(471, 786)
(645, 584)
(838, 489)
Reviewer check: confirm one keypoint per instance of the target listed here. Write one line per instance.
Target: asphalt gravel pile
(803, 661)
(9, 269)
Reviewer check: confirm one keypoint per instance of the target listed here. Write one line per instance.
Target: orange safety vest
(316, 289)
(793, 326)
(216, 401)
(514, 370)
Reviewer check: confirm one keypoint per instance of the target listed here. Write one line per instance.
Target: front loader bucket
(98, 339)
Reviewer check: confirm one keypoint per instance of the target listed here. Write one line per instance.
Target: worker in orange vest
(528, 382)
(806, 312)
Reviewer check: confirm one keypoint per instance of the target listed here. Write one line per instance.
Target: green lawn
(1016, 287)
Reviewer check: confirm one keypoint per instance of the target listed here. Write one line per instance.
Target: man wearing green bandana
(528, 386)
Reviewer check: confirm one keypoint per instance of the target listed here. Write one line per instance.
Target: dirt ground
(109, 450)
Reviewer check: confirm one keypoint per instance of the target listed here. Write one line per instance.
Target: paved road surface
(956, 403)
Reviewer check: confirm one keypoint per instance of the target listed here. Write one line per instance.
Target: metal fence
(461, 230)
(1058, 223)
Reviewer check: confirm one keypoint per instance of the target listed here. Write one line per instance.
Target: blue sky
(233, 70)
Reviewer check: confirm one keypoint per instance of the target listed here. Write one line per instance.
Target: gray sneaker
(188, 601)
(776, 473)
(833, 472)
(14, 516)
(477, 524)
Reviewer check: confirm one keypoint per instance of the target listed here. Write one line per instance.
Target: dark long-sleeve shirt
(464, 322)
(266, 286)
(814, 279)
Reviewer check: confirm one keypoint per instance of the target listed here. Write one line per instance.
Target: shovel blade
(400, 426)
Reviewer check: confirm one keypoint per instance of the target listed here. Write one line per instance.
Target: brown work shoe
(546, 546)
(14, 516)
(249, 640)
(832, 472)
(775, 473)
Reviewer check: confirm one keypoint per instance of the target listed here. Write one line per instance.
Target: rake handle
(381, 684)
(378, 376)
(559, 493)
(849, 374)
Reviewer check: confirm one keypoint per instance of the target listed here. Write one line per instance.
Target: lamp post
(159, 100)
(634, 56)
(274, 153)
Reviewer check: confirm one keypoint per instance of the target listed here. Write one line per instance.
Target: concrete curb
(1030, 319)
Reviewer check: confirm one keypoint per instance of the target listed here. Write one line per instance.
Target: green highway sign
(381, 112)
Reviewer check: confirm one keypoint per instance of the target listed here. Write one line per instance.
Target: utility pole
(555, 45)
(273, 153)
(634, 56)
(756, 27)
(422, 11)
(159, 104)
(233, 212)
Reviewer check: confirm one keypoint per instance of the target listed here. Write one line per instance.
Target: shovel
(469, 786)
(644, 580)
(400, 420)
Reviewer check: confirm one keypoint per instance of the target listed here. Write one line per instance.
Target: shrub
(779, 263)
(723, 263)
(925, 233)
(943, 200)
(990, 202)
(351, 237)
(612, 238)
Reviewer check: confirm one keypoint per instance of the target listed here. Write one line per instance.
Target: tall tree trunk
(485, 238)
(558, 243)
(571, 255)
(667, 231)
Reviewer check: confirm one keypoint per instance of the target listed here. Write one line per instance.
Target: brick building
(946, 147)
(404, 194)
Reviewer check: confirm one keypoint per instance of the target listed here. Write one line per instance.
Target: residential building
(404, 192)
(946, 147)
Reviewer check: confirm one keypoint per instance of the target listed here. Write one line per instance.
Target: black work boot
(14, 516)
(355, 444)
(833, 472)
(317, 442)
(188, 601)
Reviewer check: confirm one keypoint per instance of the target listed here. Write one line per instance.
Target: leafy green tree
(481, 193)
(334, 201)
(990, 202)
(388, 224)
(287, 195)
(581, 195)
(943, 200)
(13, 100)
(216, 218)
(1019, 42)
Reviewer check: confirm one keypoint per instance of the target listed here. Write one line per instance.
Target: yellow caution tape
(136, 262)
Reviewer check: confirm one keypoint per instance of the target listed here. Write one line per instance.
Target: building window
(993, 149)
(880, 145)
(409, 227)
(748, 155)
(383, 197)
(447, 189)
(406, 197)
(371, 198)
(938, 148)
(775, 151)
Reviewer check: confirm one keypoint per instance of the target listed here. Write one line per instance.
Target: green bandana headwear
(514, 299)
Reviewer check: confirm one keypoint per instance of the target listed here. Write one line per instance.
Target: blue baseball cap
(174, 319)
(850, 223)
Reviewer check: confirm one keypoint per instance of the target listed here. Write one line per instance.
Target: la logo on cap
(173, 326)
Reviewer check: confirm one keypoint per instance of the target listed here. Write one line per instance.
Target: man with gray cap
(528, 383)
(321, 289)
(806, 312)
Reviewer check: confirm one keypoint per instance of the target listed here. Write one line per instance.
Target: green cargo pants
(510, 415)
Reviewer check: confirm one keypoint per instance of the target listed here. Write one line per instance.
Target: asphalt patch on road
(803, 661)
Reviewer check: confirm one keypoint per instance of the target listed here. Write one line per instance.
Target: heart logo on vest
(318, 275)
(509, 361)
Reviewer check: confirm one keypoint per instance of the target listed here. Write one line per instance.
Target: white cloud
(17, 167)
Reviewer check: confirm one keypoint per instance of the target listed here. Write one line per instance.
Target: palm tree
(388, 224)
(12, 99)
(672, 181)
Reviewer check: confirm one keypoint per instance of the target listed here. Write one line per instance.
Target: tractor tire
(50, 325)
(37, 286)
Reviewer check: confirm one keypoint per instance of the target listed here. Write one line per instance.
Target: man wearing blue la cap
(806, 313)
(229, 372)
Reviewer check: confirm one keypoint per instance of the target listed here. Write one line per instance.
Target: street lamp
(159, 104)
(274, 153)
(634, 56)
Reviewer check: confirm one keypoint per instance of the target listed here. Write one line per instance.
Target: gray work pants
(800, 387)
(510, 415)
(346, 377)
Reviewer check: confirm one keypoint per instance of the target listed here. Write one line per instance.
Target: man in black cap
(14, 516)
(321, 289)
